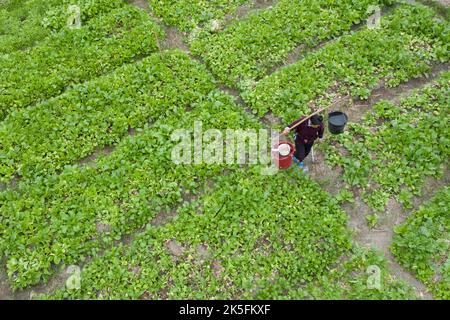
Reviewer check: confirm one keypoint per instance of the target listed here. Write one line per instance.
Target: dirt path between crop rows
(174, 40)
(61, 273)
(379, 238)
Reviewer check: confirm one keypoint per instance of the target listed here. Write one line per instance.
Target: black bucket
(337, 121)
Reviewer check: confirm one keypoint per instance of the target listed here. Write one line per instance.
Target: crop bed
(20, 27)
(86, 173)
(408, 42)
(396, 147)
(247, 49)
(70, 56)
(24, 24)
(421, 244)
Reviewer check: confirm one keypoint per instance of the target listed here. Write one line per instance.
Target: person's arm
(288, 128)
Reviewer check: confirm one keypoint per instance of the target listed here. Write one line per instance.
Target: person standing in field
(305, 136)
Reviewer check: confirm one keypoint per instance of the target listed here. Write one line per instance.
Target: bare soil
(203, 252)
(143, 4)
(55, 282)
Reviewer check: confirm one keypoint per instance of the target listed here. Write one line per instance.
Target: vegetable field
(88, 180)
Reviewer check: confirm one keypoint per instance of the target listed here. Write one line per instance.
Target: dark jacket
(306, 132)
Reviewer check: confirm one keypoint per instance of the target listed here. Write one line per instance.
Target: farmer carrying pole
(307, 131)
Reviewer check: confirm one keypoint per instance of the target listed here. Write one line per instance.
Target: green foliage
(349, 280)
(345, 195)
(401, 49)
(20, 24)
(372, 220)
(396, 147)
(73, 56)
(65, 218)
(377, 199)
(234, 233)
(23, 24)
(254, 233)
(247, 49)
(42, 140)
(421, 244)
(56, 19)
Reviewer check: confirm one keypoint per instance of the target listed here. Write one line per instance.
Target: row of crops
(244, 53)
(40, 141)
(357, 62)
(66, 93)
(16, 34)
(63, 218)
(247, 49)
(70, 56)
(189, 14)
(410, 39)
(394, 148)
(422, 244)
(23, 24)
(242, 239)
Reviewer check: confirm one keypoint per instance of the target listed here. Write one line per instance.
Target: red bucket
(284, 161)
